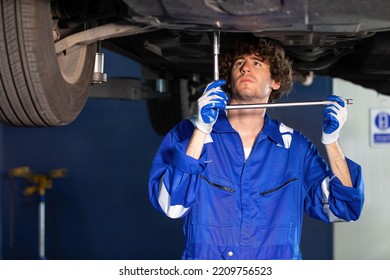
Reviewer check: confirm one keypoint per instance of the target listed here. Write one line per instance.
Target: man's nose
(245, 67)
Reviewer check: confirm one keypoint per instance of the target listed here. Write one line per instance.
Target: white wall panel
(369, 237)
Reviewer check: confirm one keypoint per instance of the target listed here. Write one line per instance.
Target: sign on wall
(380, 127)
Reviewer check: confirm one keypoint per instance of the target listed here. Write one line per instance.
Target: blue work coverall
(248, 209)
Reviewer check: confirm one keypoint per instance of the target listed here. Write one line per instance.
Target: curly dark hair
(266, 49)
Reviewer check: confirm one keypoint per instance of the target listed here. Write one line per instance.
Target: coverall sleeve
(173, 175)
(327, 198)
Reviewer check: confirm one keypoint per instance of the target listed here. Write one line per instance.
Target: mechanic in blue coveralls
(241, 180)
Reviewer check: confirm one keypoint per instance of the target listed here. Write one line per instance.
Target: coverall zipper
(217, 185)
(278, 188)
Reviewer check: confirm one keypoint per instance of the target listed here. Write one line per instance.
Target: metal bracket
(125, 88)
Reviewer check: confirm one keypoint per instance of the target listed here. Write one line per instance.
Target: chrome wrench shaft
(277, 105)
(216, 53)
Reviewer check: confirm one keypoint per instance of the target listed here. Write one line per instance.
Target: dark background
(100, 210)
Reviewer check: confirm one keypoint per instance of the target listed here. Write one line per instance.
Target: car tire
(39, 88)
(165, 113)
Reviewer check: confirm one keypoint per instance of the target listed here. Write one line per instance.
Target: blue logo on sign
(382, 121)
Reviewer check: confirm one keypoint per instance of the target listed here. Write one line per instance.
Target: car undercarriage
(48, 45)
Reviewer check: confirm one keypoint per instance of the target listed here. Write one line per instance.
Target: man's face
(251, 80)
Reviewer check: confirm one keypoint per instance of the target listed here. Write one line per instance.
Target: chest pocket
(277, 202)
(215, 203)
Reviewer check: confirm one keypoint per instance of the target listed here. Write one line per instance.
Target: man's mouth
(246, 80)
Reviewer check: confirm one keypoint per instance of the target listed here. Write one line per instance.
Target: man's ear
(275, 85)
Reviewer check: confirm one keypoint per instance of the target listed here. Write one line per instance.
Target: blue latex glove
(335, 115)
(212, 100)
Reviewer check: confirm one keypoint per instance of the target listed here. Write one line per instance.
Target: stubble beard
(250, 96)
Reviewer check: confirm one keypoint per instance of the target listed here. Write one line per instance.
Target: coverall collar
(270, 128)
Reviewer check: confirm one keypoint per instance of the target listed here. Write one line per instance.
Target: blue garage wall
(100, 210)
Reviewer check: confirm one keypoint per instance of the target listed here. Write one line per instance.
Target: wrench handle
(277, 105)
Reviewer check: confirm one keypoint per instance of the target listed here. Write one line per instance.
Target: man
(240, 180)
